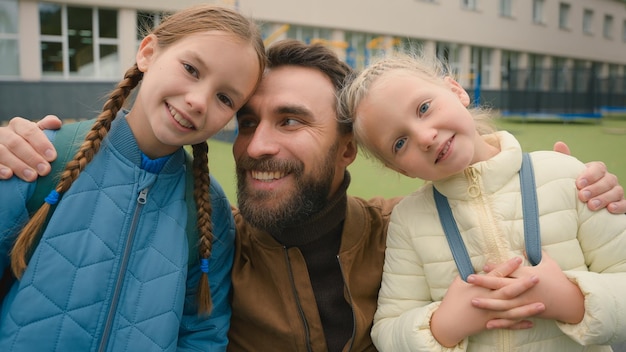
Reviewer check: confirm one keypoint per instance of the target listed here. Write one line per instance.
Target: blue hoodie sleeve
(211, 333)
(14, 193)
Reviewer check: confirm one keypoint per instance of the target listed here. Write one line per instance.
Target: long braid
(74, 167)
(205, 226)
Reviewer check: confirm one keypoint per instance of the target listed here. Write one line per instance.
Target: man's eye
(246, 123)
(399, 144)
(424, 108)
(192, 70)
(291, 122)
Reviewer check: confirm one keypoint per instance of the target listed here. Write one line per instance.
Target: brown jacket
(273, 304)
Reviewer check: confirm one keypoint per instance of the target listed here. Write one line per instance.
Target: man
(308, 260)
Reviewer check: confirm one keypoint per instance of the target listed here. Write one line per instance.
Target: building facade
(560, 56)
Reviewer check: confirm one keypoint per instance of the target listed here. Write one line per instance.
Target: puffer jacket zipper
(487, 222)
(345, 284)
(141, 201)
(307, 333)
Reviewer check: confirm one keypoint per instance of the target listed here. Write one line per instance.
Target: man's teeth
(267, 175)
(179, 118)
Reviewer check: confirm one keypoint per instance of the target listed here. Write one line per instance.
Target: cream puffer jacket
(589, 246)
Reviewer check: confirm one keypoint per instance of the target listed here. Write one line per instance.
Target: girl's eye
(225, 99)
(423, 108)
(192, 70)
(398, 145)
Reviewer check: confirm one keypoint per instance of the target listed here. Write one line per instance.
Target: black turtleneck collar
(320, 224)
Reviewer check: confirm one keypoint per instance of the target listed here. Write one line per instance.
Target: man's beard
(274, 212)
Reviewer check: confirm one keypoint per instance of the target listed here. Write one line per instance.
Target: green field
(588, 141)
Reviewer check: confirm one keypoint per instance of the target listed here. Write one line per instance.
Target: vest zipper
(307, 333)
(141, 200)
(345, 284)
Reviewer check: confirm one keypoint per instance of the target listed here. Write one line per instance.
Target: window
(9, 38)
(506, 8)
(147, 21)
(78, 42)
(480, 67)
(538, 11)
(607, 28)
(469, 4)
(564, 14)
(588, 21)
(509, 67)
(450, 54)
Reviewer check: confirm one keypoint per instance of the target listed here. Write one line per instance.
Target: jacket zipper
(475, 192)
(345, 284)
(307, 333)
(141, 200)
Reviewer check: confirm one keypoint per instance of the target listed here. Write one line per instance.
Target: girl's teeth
(180, 119)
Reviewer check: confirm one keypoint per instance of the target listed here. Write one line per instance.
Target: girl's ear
(146, 51)
(458, 90)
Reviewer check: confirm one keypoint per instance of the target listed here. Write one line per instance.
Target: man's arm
(597, 187)
(25, 151)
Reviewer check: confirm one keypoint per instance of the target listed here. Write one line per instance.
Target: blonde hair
(358, 87)
(195, 19)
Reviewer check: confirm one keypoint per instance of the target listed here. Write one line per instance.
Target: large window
(480, 68)
(607, 28)
(78, 42)
(506, 8)
(469, 4)
(564, 15)
(509, 70)
(8, 39)
(538, 11)
(450, 54)
(588, 21)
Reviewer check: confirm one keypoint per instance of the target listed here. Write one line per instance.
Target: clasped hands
(505, 297)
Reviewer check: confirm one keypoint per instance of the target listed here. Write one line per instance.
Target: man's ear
(146, 51)
(458, 90)
(348, 150)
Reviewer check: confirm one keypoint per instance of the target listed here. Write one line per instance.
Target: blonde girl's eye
(399, 144)
(423, 108)
(226, 100)
(191, 70)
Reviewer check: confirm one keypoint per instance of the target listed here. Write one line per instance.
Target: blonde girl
(413, 116)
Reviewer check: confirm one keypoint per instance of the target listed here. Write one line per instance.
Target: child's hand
(562, 299)
(457, 317)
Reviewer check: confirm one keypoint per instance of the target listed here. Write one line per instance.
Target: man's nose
(264, 142)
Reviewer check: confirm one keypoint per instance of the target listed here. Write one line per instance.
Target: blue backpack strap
(532, 237)
(66, 142)
(455, 242)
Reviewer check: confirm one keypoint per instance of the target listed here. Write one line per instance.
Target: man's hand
(25, 150)
(597, 186)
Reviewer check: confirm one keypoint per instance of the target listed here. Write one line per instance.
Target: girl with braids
(412, 116)
(110, 271)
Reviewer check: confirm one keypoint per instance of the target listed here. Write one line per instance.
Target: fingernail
(470, 279)
(583, 183)
(49, 154)
(29, 174)
(4, 172)
(586, 195)
(595, 203)
(41, 168)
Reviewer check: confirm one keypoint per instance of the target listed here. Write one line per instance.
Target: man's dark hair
(316, 56)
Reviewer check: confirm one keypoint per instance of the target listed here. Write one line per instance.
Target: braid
(73, 168)
(205, 227)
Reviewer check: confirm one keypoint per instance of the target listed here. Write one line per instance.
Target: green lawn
(588, 141)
